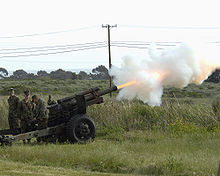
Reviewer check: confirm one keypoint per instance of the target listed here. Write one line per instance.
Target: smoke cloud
(176, 67)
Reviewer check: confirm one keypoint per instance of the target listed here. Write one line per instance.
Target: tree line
(98, 73)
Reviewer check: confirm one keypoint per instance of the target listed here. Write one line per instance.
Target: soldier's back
(41, 109)
(41, 114)
(26, 108)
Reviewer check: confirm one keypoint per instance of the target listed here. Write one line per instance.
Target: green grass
(182, 137)
(49, 86)
(9, 168)
(136, 152)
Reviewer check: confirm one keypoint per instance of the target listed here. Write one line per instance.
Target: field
(182, 137)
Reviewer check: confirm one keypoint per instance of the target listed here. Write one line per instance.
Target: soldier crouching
(26, 114)
(40, 114)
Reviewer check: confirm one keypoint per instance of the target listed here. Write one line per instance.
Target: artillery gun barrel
(81, 93)
(101, 93)
(95, 94)
(90, 95)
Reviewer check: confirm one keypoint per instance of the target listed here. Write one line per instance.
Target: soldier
(13, 117)
(26, 113)
(40, 112)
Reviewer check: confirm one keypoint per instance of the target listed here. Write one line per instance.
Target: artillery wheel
(81, 128)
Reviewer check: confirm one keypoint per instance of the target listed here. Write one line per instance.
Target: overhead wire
(172, 27)
(135, 47)
(53, 46)
(45, 50)
(54, 49)
(58, 52)
(144, 44)
(147, 42)
(125, 25)
(136, 44)
(49, 33)
(59, 49)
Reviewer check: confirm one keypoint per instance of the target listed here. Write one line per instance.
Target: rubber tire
(74, 122)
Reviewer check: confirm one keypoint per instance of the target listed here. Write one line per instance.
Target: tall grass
(138, 116)
(3, 113)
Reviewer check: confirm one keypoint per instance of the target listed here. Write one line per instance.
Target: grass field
(182, 137)
(138, 153)
(9, 168)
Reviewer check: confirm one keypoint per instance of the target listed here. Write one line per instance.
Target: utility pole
(109, 51)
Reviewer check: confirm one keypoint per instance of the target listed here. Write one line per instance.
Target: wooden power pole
(109, 51)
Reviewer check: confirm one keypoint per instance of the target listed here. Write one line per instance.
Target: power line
(33, 62)
(125, 43)
(66, 49)
(79, 47)
(54, 49)
(134, 47)
(142, 44)
(96, 26)
(59, 52)
(148, 42)
(172, 27)
(49, 33)
(124, 46)
(163, 43)
(90, 43)
(74, 46)
(53, 46)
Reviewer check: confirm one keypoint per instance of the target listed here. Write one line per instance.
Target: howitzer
(67, 119)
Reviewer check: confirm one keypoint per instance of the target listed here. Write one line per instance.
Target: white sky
(25, 17)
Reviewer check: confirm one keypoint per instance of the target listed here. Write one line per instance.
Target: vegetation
(9, 168)
(179, 138)
(136, 152)
(214, 77)
(46, 86)
(98, 73)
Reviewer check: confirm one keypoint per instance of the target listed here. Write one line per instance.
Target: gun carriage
(67, 120)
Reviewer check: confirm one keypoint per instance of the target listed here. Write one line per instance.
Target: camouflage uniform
(41, 115)
(26, 114)
(13, 117)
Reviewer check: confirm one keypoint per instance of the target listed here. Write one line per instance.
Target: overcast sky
(80, 21)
